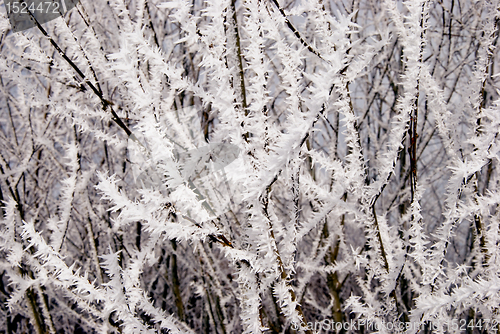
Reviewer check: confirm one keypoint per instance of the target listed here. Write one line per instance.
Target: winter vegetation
(251, 166)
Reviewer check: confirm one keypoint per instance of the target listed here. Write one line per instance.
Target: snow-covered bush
(251, 166)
